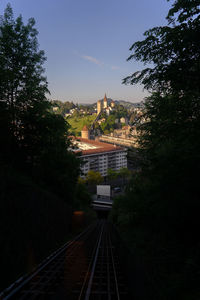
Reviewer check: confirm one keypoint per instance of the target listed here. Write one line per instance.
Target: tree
(162, 198)
(94, 177)
(124, 173)
(173, 50)
(111, 174)
(109, 124)
(120, 111)
(82, 196)
(63, 107)
(22, 84)
(35, 141)
(169, 139)
(173, 110)
(21, 71)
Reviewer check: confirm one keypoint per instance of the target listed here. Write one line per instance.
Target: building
(85, 134)
(124, 142)
(101, 120)
(112, 104)
(98, 156)
(105, 102)
(125, 137)
(123, 120)
(108, 109)
(98, 107)
(124, 132)
(103, 106)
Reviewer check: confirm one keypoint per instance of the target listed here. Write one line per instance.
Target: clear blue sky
(87, 42)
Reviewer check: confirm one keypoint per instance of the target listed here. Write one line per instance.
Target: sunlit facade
(98, 156)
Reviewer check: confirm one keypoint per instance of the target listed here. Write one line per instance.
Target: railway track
(87, 267)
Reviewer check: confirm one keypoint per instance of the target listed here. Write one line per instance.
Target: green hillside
(77, 123)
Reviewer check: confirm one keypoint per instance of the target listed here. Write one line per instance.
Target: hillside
(65, 106)
(77, 123)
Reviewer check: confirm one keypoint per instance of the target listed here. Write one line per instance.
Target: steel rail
(88, 291)
(70, 250)
(22, 281)
(99, 274)
(89, 266)
(108, 270)
(100, 270)
(114, 269)
(96, 269)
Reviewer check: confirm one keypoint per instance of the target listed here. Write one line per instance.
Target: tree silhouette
(161, 204)
(35, 140)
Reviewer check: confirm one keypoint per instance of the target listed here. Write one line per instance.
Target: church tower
(98, 107)
(105, 102)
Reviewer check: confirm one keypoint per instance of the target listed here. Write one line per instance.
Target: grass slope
(77, 123)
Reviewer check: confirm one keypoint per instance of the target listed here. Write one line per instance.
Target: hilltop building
(105, 102)
(104, 106)
(98, 107)
(108, 109)
(112, 104)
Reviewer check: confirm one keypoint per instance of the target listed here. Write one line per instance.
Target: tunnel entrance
(102, 214)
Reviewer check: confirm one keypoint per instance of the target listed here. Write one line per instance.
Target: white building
(55, 108)
(98, 156)
(123, 120)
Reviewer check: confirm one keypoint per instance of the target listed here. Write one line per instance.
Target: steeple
(105, 103)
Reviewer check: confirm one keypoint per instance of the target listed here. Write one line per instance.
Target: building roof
(84, 128)
(93, 147)
(127, 127)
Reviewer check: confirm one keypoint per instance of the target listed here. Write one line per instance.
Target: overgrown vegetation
(159, 216)
(38, 175)
(110, 124)
(62, 107)
(33, 223)
(34, 140)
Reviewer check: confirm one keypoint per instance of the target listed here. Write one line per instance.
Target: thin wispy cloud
(115, 67)
(93, 60)
(96, 61)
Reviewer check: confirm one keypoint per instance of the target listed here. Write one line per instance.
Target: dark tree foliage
(162, 201)
(109, 124)
(63, 107)
(21, 73)
(170, 136)
(34, 140)
(173, 50)
(38, 174)
(120, 111)
(22, 84)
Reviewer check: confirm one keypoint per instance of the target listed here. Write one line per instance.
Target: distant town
(102, 132)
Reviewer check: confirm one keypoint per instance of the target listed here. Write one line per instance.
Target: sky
(87, 42)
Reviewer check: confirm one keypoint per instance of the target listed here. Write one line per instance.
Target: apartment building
(98, 156)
